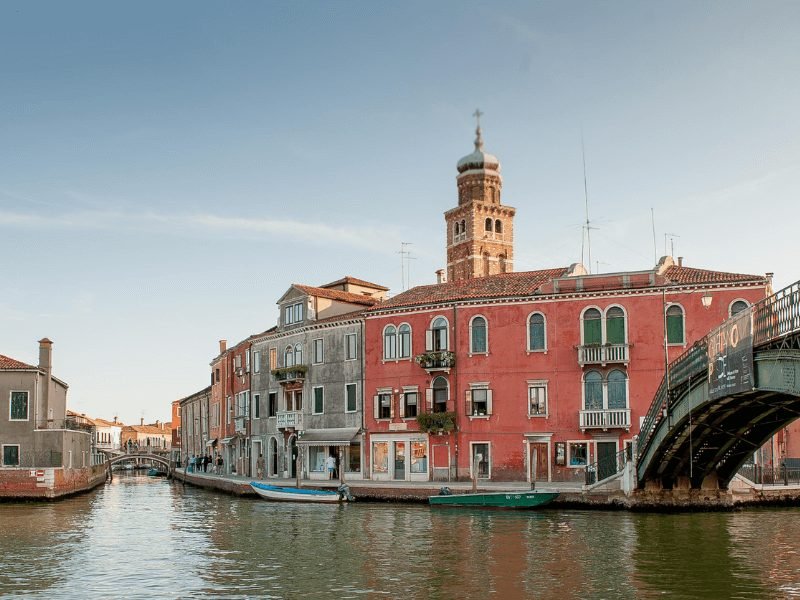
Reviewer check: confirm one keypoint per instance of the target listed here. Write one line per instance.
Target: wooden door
(538, 461)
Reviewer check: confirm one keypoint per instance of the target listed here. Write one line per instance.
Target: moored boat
(510, 499)
(294, 494)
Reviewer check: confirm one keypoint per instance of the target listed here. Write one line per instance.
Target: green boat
(494, 499)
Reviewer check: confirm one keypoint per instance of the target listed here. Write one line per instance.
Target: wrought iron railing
(777, 316)
(607, 466)
(782, 475)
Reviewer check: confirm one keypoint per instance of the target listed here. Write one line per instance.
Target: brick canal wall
(49, 484)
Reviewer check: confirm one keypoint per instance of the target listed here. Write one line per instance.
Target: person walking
(206, 460)
(220, 464)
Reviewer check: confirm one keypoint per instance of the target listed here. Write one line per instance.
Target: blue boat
(294, 494)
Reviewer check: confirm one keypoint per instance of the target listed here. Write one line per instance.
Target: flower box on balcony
(437, 360)
(293, 373)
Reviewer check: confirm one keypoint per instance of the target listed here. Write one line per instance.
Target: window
(294, 400)
(256, 407)
(316, 458)
(615, 325)
(216, 374)
(19, 406)
(247, 361)
(257, 362)
(273, 359)
(498, 226)
(477, 335)
(380, 457)
(479, 401)
(272, 404)
(617, 389)
(578, 454)
(480, 460)
(593, 391)
(351, 401)
(383, 406)
(288, 357)
(298, 312)
(389, 342)
(537, 398)
(440, 394)
(404, 341)
(536, 333)
(293, 313)
(237, 361)
(675, 324)
(319, 400)
(419, 457)
(317, 351)
(11, 455)
(488, 225)
(410, 401)
(350, 347)
(298, 354)
(738, 306)
(592, 327)
(438, 335)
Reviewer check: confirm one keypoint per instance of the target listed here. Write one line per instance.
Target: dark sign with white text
(730, 357)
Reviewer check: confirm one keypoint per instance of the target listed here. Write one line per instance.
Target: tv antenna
(587, 227)
(671, 237)
(405, 265)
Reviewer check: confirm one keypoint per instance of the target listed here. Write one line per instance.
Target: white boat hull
(289, 494)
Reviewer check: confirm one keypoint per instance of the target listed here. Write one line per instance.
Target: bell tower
(480, 230)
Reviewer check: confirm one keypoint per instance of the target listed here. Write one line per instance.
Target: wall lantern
(706, 299)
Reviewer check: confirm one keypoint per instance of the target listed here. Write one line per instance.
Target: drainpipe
(455, 386)
(363, 380)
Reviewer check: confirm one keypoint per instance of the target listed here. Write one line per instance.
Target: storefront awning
(342, 436)
(228, 439)
(212, 442)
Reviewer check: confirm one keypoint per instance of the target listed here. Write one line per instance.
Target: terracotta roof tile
(676, 274)
(355, 281)
(494, 286)
(336, 295)
(9, 364)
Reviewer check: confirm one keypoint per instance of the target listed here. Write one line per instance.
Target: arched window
(455, 229)
(615, 325)
(675, 334)
(440, 394)
(738, 306)
(439, 334)
(404, 341)
(463, 227)
(536, 333)
(488, 225)
(477, 335)
(498, 226)
(390, 342)
(617, 389)
(593, 391)
(288, 357)
(592, 329)
(298, 354)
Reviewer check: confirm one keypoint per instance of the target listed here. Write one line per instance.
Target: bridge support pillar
(682, 482)
(710, 482)
(653, 485)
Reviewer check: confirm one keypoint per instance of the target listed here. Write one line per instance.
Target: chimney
(680, 261)
(440, 276)
(223, 345)
(46, 365)
(141, 421)
(115, 419)
(158, 424)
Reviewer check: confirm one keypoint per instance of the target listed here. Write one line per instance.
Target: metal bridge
(113, 458)
(724, 398)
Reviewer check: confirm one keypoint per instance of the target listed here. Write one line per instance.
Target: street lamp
(706, 299)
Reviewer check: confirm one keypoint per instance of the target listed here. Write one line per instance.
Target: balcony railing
(440, 360)
(290, 374)
(289, 418)
(612, 418)
(603, 354)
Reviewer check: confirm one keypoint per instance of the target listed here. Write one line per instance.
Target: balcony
(289, 419)
(296, 373)
(603, 354)
(612, 418)
(440, 360)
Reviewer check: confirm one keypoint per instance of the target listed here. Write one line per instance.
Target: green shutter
(675, 329)
(591, 332)
(615, 330)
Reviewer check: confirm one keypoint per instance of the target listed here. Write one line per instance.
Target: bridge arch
(113, 459)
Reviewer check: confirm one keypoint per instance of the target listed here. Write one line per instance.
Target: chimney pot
(141, 421)
(440, 276)
(223, 345)
(680, 261)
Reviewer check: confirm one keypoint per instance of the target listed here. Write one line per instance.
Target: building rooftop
(10, 364)
(336, 295)
(354, 281)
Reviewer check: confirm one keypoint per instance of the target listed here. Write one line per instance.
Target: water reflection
(143, 537)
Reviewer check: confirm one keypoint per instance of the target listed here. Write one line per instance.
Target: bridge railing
(608, 466)
(782, 475)
(777, 316)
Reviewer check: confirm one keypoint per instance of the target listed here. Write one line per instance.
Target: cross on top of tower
(478, 138)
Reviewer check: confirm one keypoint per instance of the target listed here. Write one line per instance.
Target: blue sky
(169, 169)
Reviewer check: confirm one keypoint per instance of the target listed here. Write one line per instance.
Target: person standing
(330, 464)
(260, 466)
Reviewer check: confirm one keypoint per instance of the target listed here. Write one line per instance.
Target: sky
(168, 170)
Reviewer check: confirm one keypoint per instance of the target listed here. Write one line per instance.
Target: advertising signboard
(730, 357)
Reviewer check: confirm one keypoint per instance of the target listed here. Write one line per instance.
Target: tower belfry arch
(480, 230)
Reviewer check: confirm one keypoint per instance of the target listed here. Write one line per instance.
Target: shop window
(316, 458)
(419, 457)
(578, 454)
(380, 457)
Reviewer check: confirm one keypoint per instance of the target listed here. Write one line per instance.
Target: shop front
(399, 457)
(342, 445)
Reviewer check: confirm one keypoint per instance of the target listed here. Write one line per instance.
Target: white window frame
(377, 406)
(588, 444)
(288, 356)
(247, 361)
(605, 318)
(3, 454)
(528, 348)
(539, 384)
(730, 308)
(298, 353)
(683, 324)
(481, 385)
(393, 347)
(317, 360)
(486, 327)
(602, 323)
(314, 410)
(430, 340)
(410, 342)
(347, 338)
(27, 408)
(346, 386)
(409, 389)
(256, 410)
(472, 462)
(256, 361)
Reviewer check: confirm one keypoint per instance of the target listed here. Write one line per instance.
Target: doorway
(606, 459)
(273, 457)
(255, 456)
(399, 460)
(293, 454)
(538, 461)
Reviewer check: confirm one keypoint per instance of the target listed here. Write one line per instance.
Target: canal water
(141, 537)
